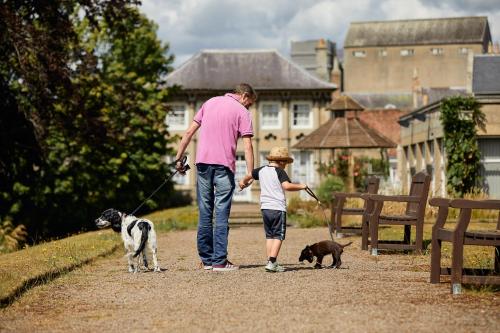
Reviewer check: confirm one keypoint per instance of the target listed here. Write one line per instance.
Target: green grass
(35, 265)
(181, 218)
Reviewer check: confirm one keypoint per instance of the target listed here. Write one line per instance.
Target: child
(273, 183)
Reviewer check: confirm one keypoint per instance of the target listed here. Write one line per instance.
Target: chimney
(416, 89)
(324, 56)
(470, 67)
(336, 76)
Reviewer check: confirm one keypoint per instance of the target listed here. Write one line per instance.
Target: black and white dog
(136, 233)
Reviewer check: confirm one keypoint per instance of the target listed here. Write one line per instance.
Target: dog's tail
(144, 227)
(346, 244)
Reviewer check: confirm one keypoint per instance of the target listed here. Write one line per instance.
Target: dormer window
(463, 50)
(437, 51)
(406, 52)
(359, 54)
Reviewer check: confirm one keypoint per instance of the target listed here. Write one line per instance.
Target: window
(437, 51)
(359, 54)
(406, 52)
(382, 53)
(301, 115)
(270, 116)
(463, 50)
(240, 172)
(303, 168)
(177, 117)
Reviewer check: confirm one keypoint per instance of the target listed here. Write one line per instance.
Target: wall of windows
(177, 117)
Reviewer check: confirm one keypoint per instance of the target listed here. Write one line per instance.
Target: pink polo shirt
(223, 120)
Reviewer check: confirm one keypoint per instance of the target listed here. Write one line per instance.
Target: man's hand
(180, 167)
(244, 184)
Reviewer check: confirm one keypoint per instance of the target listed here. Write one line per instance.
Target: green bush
(329, 185)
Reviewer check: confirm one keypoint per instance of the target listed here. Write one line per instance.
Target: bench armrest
(475, 204)
(439, 202)
(395, 198)
(347, 195)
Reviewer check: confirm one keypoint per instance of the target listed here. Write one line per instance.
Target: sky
(192, 25)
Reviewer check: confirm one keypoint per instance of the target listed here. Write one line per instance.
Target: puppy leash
(315, 197)
(185, 167)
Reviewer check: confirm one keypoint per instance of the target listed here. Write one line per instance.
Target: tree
(83, 128)
(459, 117)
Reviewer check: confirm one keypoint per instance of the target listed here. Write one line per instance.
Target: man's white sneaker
(274, 267)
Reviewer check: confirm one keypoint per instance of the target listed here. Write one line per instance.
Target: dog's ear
(115, 218)
(307, 247)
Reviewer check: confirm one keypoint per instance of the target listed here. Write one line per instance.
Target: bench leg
(407, 234)
(374, 236)
(497, 259)
(419, 237)
(364, 232)
(456, 266)
(435, 260)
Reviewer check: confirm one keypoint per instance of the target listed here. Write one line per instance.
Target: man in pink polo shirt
(221, 120)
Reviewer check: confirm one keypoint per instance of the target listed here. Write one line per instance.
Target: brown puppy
(321, 249)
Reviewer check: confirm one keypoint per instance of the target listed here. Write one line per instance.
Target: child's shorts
(274, 223)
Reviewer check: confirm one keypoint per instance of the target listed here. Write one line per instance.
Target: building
(319, 58)
(422, 133)
(291, 104)
(382, 58)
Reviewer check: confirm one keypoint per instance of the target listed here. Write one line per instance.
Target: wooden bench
(413, 216)
(339, 208)
(460, 236)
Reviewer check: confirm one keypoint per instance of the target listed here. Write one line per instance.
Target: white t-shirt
(272, 195)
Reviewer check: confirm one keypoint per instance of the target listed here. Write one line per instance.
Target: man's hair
(245, 88)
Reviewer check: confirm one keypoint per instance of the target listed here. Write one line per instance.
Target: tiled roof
(344, 103)
(384, 100)
(457, 30)
(263, 69)
(344, 132)
(486, 75)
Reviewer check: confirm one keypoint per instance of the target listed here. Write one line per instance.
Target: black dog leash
(315, 197)
(185, 167)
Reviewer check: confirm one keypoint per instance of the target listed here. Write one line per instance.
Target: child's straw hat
(279, 154)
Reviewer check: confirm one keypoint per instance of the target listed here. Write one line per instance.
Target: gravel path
(384, 293)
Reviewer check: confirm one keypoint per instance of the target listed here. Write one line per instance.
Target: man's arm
(247, 142)
(186, 139)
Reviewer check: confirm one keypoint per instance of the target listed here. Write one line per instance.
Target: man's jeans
(215, 186)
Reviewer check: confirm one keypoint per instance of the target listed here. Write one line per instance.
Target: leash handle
(182, 160)
(312, 194)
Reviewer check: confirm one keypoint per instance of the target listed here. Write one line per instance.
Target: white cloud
(192, 25)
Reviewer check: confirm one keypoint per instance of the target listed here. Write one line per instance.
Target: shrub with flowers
(340, 168)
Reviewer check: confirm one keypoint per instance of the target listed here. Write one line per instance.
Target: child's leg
(269, 246)
(275, 247)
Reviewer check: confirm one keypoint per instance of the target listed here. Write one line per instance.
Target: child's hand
(243, 185)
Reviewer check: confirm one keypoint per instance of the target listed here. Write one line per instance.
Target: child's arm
(287, 186)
